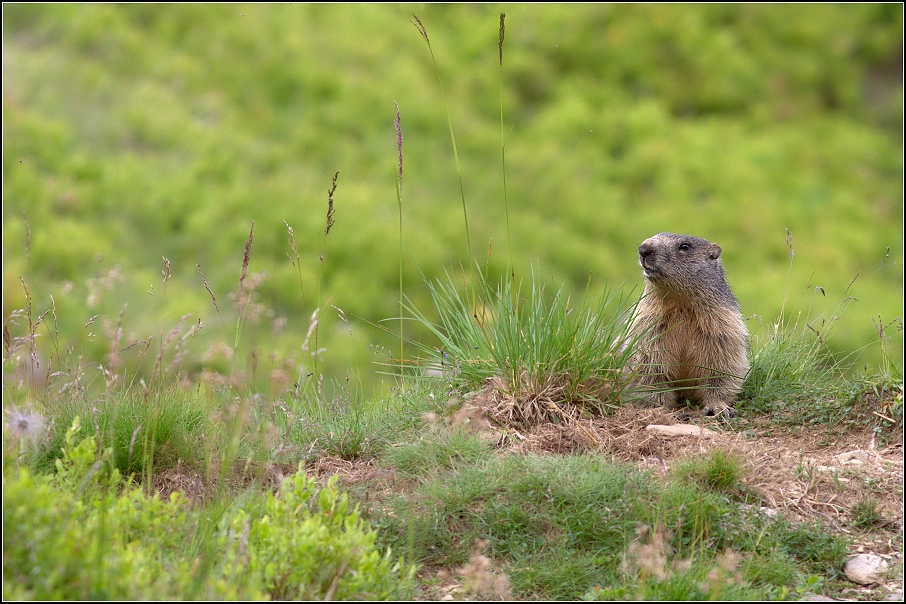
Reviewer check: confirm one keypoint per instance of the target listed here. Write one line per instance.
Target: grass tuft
(719, 471)
(536, 357)
(865, 513)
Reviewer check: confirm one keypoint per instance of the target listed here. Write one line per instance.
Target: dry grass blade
(166, 344)
(211, 293)
(329, 224)
(294, 259)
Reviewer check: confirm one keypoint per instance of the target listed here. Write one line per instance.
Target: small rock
(850, 456)
(865, 569)
(680, 430)
(770, 513)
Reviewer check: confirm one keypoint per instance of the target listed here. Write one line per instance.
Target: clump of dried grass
(530, 405)
(479, 579)
(648, 560)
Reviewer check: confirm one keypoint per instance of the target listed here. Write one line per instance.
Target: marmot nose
(646, 249)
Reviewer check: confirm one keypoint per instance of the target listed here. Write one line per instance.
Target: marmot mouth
(650, 272)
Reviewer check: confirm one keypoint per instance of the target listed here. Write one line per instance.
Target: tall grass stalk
(399, 204)
(210, 293)
(327, 226)
(245, 268)
(160, 335)
(424, 33)
(791, 362)
(506, 206)
(294, 259)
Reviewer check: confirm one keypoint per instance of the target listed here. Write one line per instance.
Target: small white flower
(25, 424)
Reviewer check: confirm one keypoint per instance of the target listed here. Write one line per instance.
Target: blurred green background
(133, 132)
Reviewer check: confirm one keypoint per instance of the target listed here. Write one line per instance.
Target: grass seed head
(399, 141)
(502, 34)
(245, 266)
(421, 28)
(211, 293)
(330, 192)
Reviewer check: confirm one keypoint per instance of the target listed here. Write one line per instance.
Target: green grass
(865, 513)
(143, 429)
(351, 427)
(560, 526)
(435, 452)
(541, 348)
(719, 471)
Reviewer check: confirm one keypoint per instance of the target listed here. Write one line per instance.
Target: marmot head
(681, 263)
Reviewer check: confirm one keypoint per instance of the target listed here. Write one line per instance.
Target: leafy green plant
(865, 513)
(307, 544)
(84, 533)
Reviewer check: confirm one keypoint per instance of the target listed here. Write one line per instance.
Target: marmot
(688, 331)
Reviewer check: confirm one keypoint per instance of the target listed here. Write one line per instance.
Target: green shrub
(85, 533)
(308, 545)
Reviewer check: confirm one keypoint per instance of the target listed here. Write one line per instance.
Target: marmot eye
(684, 247)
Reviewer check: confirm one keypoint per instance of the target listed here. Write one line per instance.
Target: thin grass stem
(245, 267)
(329, 222)
(424, 33)
(506, 206)
(399, 203)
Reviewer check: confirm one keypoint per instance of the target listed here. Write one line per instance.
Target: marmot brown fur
(688, 331)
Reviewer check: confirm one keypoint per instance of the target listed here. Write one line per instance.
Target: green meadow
(134, 133)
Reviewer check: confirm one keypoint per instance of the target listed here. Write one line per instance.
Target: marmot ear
(714, 252)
